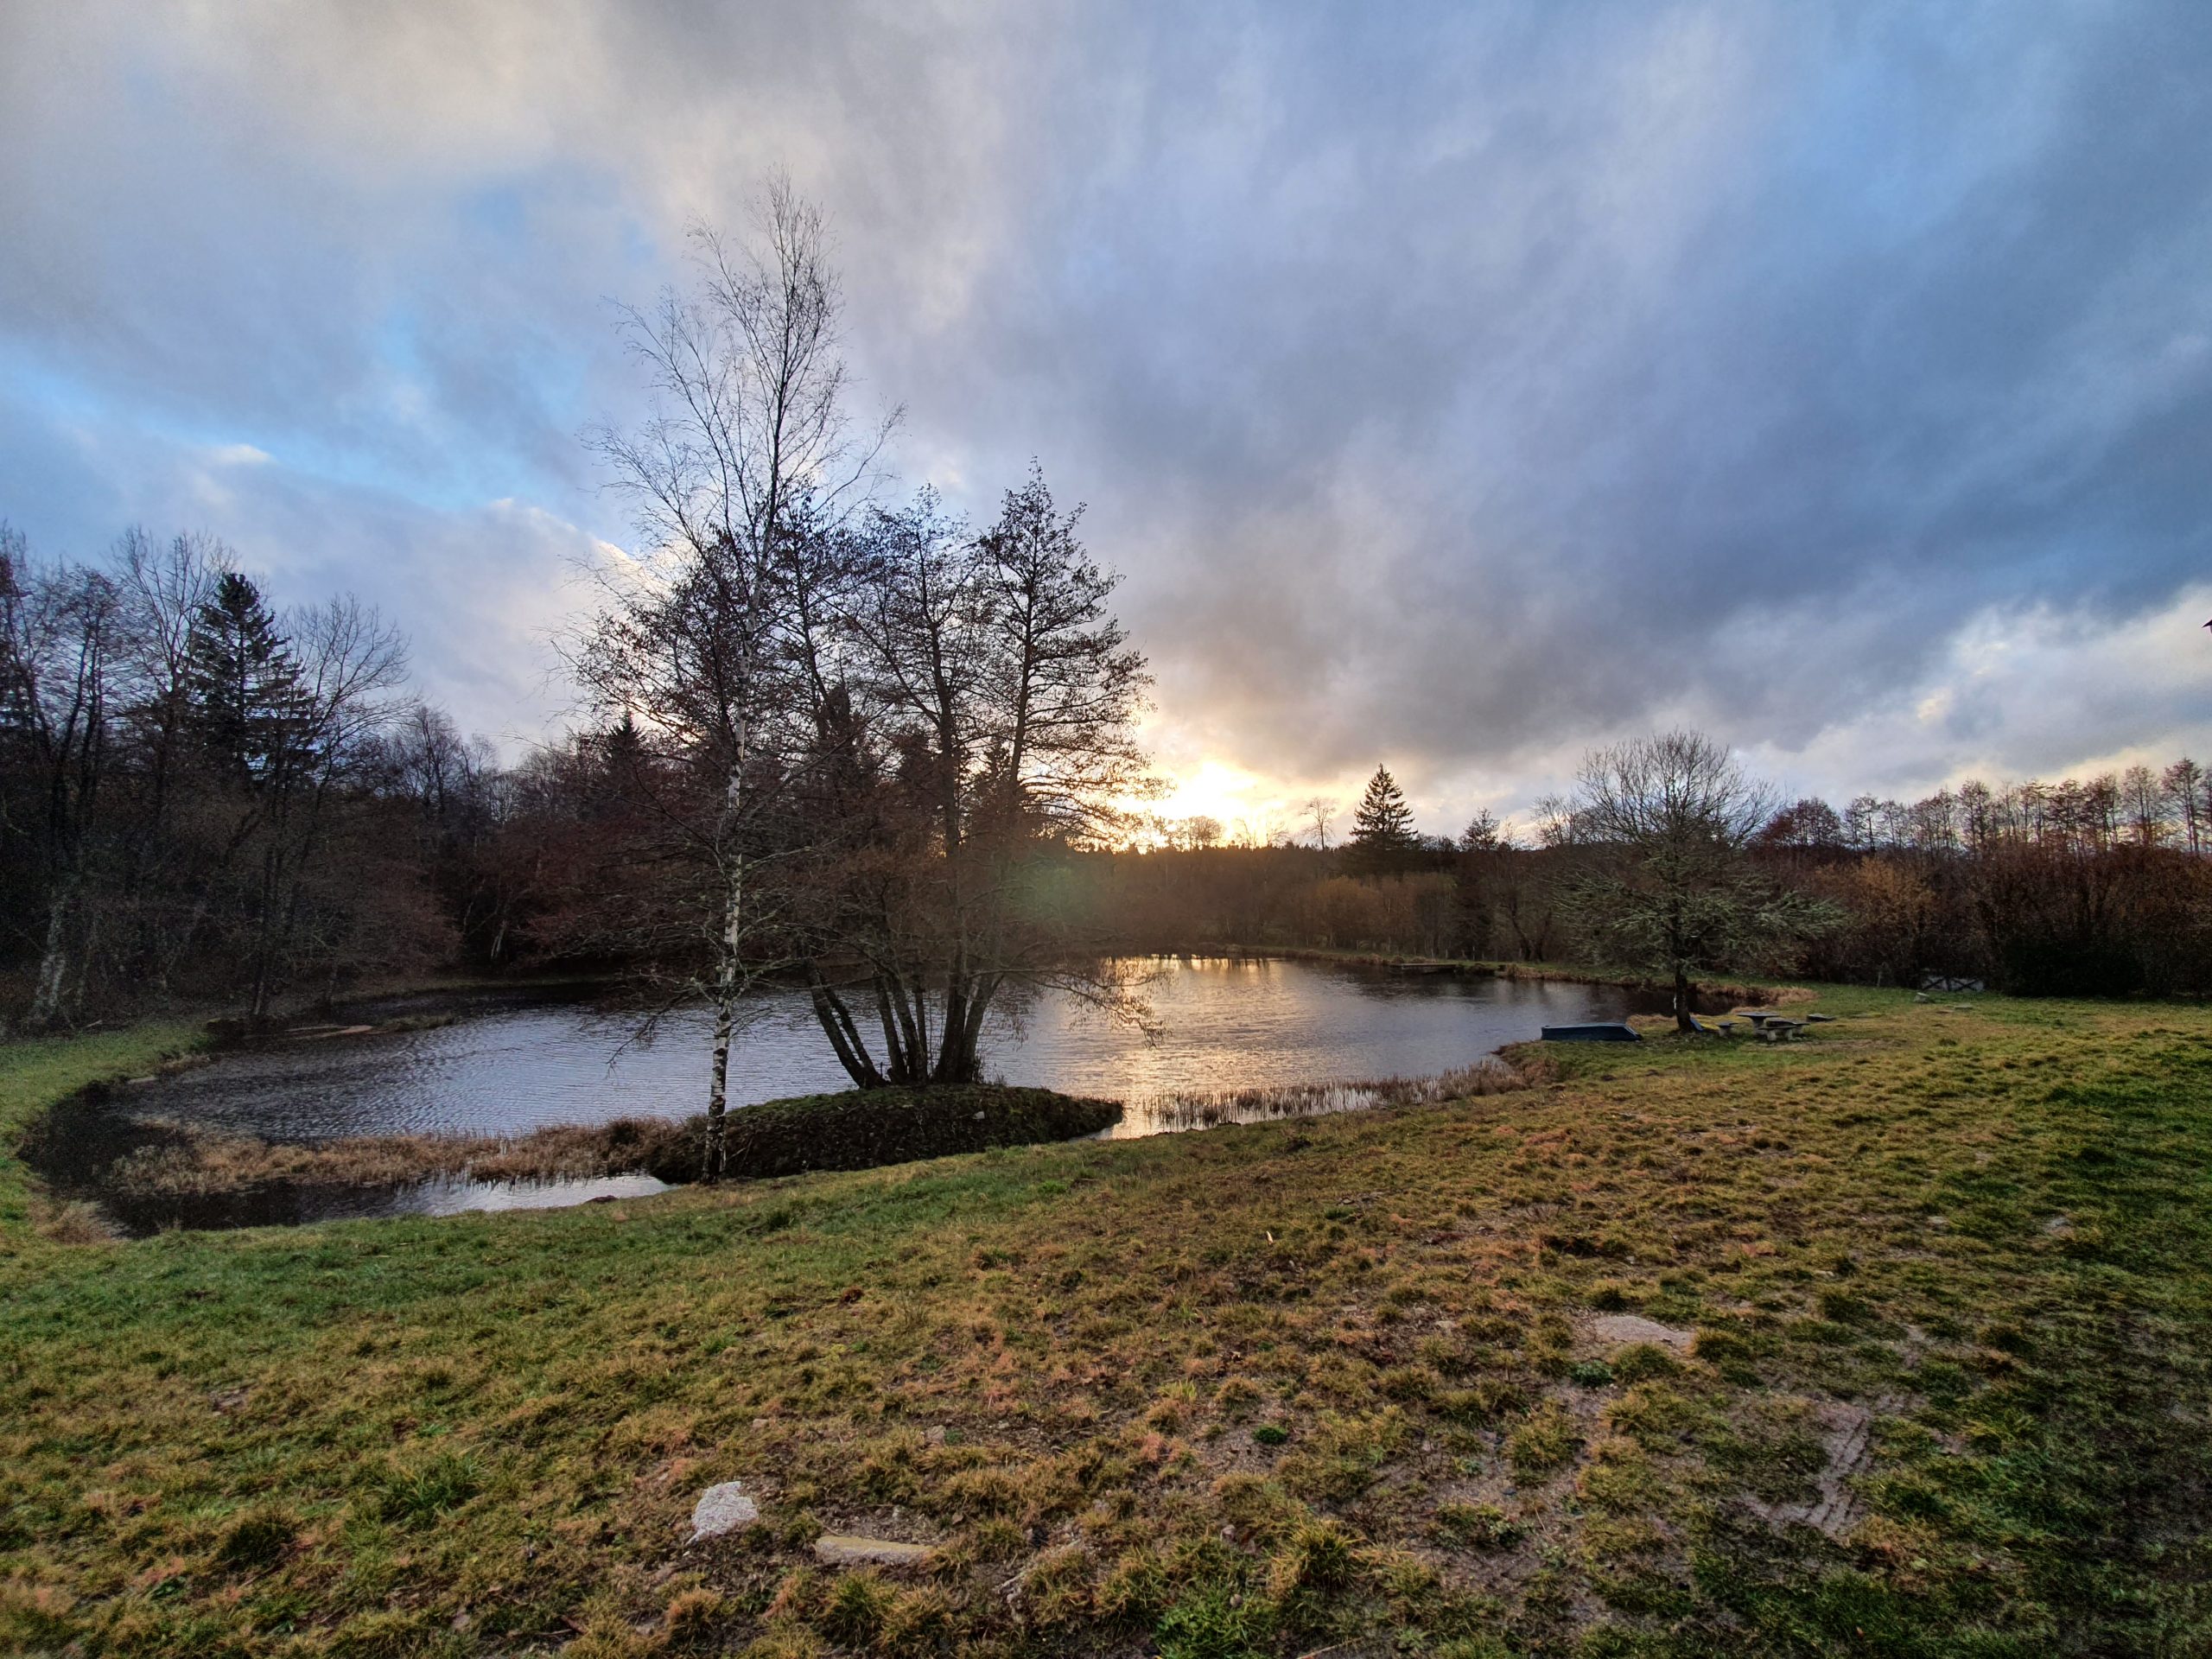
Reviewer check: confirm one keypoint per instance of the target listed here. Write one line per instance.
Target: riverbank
(1927, 1297)
(149, 1174)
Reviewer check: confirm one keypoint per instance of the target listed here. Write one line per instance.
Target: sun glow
(1244, 808)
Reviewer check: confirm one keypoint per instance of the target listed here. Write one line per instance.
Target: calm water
(1224, 1024)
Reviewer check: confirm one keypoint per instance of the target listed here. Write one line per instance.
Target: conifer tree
(244, 680)
(1382, 836)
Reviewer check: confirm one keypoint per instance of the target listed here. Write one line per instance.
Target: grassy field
(1252, 1391)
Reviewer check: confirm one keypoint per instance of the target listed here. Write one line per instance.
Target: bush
(862, 1128)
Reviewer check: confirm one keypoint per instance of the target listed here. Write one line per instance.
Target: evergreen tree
(1383, 836)
(243, 681)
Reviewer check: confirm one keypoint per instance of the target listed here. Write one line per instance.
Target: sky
(1457, 387)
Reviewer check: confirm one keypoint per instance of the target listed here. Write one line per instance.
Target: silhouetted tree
(1383, 837)
(243, 681)
(59, 642)
(1320, 811)
(998, 697)
(749, 462)
(1670, 818)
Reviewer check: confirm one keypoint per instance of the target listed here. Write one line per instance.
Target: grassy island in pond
(864, 1128)
(1890, 1341)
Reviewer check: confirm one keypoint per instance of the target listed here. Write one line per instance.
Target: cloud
(1455, 389)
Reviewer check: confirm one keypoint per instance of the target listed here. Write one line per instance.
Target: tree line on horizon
(2086, 886)
(207, 799)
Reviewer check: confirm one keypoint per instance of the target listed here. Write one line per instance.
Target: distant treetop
(1382, 833)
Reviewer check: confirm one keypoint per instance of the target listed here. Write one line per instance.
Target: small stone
(722, 1508)
(935, 1435)
(1631, 1327)
(843, 1549)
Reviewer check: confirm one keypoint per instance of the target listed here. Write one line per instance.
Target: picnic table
(1774, 1028)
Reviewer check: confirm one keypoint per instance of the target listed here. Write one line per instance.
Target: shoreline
(1735, 992)
(144, 1175)
(88, 1148)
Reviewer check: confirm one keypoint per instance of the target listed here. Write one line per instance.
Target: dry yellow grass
(1243, 1392)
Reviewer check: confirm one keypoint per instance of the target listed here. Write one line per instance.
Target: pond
(1235, 1039)
(1224, 1024)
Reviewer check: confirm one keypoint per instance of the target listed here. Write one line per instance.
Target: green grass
(35, 1074)
(1985, 1238)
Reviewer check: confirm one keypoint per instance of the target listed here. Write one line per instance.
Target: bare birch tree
(704, 644)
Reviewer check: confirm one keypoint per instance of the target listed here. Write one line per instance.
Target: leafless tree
(2143, 805)
(1320, 811)
(1067, 685)
(351, 661)
(1676, 812)
(60, 641)
(2184, 785)
(748, 463)
(994, 699)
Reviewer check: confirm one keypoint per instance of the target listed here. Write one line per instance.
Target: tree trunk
(728, 971)
(959, 1057)
(1684, 993)
(54, 962)
(837, 1024)
(894, 1053)
(715, 1156)
(953, 1065)
(906, 1030)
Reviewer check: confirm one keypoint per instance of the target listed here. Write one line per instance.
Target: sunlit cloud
(1455, 389)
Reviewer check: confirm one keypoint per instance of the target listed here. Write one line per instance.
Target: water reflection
(452, 1195)
(1224, 1024)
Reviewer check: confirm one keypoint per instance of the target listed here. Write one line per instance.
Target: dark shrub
(861, 1128)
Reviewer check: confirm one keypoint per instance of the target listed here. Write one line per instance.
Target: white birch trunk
(727, 978)
(53, 963)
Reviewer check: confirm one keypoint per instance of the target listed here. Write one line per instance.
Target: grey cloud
(1456, 385)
